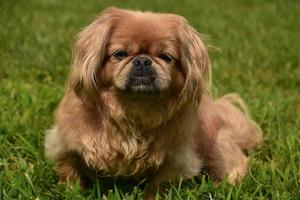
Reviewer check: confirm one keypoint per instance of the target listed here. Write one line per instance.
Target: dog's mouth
(142, 85)
(142, 82)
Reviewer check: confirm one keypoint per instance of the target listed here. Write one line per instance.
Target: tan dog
(138, 105)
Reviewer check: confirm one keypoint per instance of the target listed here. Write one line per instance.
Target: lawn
(255, 50)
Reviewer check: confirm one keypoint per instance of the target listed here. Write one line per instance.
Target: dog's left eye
(120, 54)
(166, 57)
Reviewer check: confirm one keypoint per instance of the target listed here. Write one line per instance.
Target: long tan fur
(101, 129)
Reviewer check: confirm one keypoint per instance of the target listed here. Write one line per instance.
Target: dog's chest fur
(111, 153)
(115, 152)
(115, 148)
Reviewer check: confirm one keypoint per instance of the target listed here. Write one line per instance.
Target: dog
(138, 105)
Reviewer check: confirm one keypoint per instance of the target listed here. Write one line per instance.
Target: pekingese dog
(138, 105)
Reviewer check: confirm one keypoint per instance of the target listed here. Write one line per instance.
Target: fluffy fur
(164, 129)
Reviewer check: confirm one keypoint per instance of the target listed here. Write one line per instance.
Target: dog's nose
(142, 62)
(142, 73)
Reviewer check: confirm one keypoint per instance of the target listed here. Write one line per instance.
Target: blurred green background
(254, 47)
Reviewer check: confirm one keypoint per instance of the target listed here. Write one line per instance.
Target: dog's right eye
(120, 54)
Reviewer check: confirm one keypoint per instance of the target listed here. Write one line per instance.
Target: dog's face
(143, 57)
(140, 54)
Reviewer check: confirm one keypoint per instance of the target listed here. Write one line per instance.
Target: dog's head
(140, 55)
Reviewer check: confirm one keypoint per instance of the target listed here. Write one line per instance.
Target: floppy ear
(195, 63)
(89, 53)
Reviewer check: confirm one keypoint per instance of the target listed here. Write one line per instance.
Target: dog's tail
(234, 112)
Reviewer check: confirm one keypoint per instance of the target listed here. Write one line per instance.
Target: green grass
(254, 48)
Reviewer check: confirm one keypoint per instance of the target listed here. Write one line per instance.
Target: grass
(254, 47)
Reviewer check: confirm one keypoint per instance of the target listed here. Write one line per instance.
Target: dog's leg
(231, 131)
(66, 163)
(68, 167)
(226, 158)
(181, 163)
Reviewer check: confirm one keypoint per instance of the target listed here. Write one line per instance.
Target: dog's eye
(166, 57)
(120, 54)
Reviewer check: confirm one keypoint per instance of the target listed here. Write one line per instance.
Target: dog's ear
(89, 53)
(195, 63)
